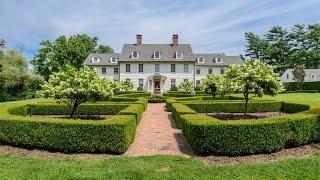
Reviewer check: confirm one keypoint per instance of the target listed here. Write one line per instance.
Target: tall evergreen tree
(314, 44)
(256, 46)
(299, 44)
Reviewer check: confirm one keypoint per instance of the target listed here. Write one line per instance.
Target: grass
(163, 167)
(156, 167)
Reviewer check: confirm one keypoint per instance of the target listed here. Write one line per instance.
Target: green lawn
(157, 167)
(163, 167)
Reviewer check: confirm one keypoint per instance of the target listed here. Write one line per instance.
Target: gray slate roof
(209, 59)
(104, 59)
(307, 78)
(146, 52)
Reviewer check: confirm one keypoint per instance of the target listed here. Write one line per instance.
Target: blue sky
(209, 26)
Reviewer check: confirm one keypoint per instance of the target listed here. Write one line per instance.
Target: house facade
(158, 67)
(311, 75)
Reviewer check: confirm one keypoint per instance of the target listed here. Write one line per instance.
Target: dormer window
(200, 60)
(218, 60)
(135, 55)
(156, 55)
(312, 76)
(95, 60)
(113, 59)
(179, 55)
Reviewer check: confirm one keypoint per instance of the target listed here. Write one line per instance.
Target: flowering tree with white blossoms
(186, 87)
(74, 86)
(253, 77)
(126, 86)
(215, 84)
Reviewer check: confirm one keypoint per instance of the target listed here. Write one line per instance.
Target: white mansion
(158, 67)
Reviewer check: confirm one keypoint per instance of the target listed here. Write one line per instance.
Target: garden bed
(76, 117)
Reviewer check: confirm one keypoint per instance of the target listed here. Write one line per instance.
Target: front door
(156, 85)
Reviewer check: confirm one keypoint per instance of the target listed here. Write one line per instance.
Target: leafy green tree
(253, 78)
(73, 50)
(186, 87)
(16, 82)
(215, 84)
(74, 86)
(299, 74)
(126, 86)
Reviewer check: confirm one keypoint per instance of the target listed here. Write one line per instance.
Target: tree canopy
(74, 86)
(54, 55)
(16, 82)
(284, 48)
(253, 77)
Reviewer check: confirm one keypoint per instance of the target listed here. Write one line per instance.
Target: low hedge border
(207, 135)
(113, 135)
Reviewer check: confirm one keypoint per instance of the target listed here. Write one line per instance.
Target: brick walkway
(157, 134)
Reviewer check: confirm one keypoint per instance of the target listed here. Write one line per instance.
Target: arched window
(156, 55)
(135, 55)
(312, 76)
(179, 55)
(218, 60)
(113, 59)
(95, 60)
(200, 59)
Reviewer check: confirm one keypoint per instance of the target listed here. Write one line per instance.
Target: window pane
(157, 67)
(141, 83)
(115, 70)
(185, 80)
(140, 67)
(127, 67)
(173, 68)
(210, 71)
(173, 82)
(198, 71)
(103, 71)
(186, 69)
(198, 82)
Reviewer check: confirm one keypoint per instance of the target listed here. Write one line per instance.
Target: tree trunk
(75, 106)
(246, 97)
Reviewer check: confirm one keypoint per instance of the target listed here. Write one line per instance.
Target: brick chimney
(139, 39)
(175, 40)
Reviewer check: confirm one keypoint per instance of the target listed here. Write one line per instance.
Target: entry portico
(156, 83)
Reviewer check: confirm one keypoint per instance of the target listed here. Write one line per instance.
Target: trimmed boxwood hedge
(207, 135)
(135, 109)
(112, 135)
(234, 107)
(293, 86)
(84, 109)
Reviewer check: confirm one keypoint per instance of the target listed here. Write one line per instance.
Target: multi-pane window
(222, 71)
(141, 83)
(157, 68)
(219, 60)
(198, 71)
(173, 82)
(287, 76)
(156, 55)
(198, 82)
(103, 71)
(185, 80)
(127, 67)
(179, 55)
(210, 71)
(135, 55)
(185, 68)
(140, 67)
(115, 71)
(173, 68)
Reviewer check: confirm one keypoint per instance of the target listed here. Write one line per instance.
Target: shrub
(135, 95)
(234, 107)
(135, 109)
(84, 109)
(156, 99)
(174, 88)
(293, 86)
(179, 109)
(139, 88)
(113, 135)
(207, 135)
